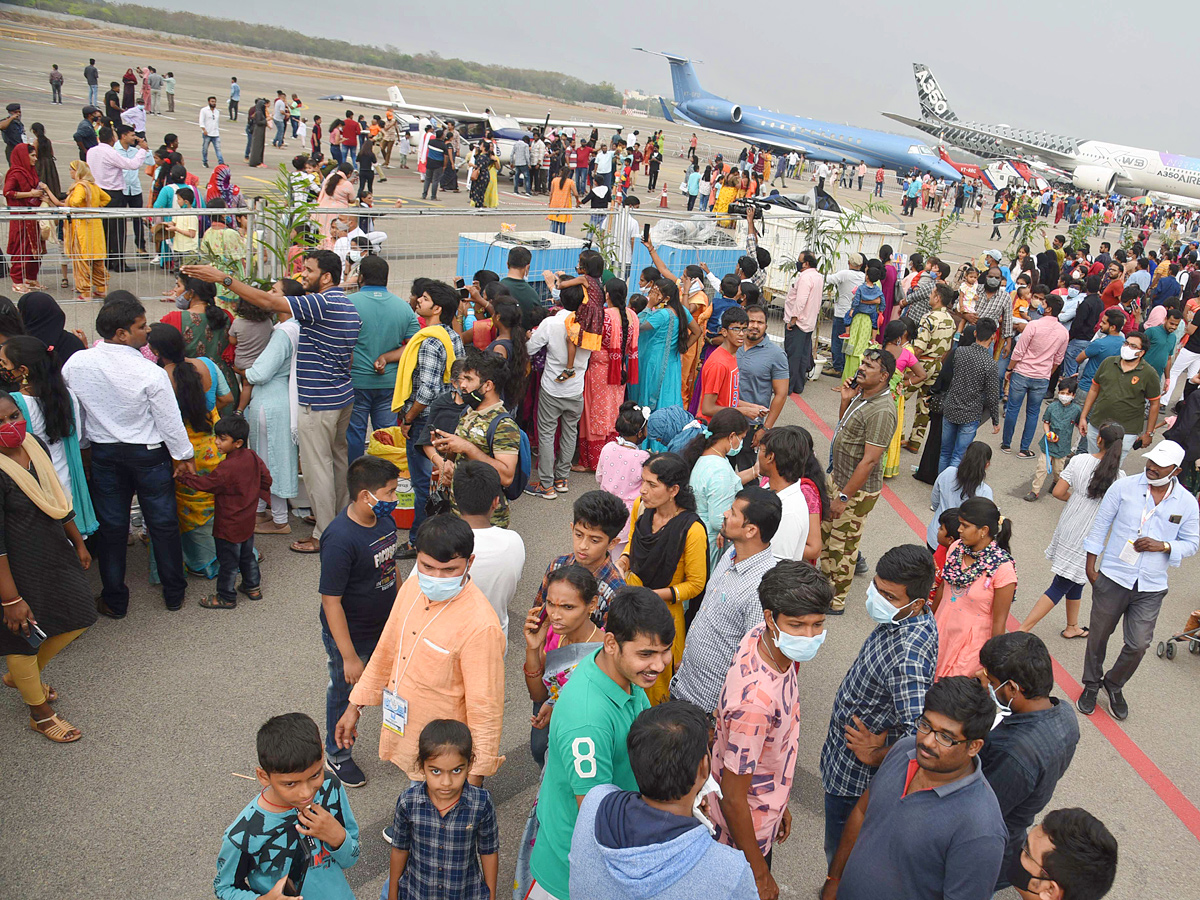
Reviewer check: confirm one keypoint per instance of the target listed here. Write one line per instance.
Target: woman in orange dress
(563, 195)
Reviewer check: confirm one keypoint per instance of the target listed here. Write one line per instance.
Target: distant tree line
(273, 38)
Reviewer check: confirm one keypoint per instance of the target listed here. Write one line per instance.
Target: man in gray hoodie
(635, 845)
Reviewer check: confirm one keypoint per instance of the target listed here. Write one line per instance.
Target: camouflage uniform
(935, 336)
(839, 541)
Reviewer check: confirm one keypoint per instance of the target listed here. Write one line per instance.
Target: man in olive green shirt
(1120, 390)
(519, 259)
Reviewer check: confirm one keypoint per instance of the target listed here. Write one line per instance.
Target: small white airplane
(472, 127)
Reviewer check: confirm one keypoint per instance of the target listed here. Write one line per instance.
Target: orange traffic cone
(662, 201)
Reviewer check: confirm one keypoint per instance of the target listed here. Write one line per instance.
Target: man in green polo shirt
(1121, 388)
(519, 260)
(387, 324)
(590, 725)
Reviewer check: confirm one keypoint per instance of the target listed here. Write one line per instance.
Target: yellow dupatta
(45, 491)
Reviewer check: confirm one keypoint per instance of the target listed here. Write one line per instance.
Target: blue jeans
(604, 178)
(1093, 443)
(837, 812)
(581, 181)
(375, 404)
(337, 694)
(249, 143)
(1030, 391)
(835, 345)
(350, 154)
(1074, 348)
(558, 227)
(118, 472)
(433, 178)
(522, 176)
(215, 141)
(280, 126)
(93, 95)
(420, 469)
(955, 440)
(233, 558)
(335, 152)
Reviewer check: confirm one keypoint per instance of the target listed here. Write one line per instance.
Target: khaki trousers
(323, 460)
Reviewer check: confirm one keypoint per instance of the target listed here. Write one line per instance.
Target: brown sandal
(51, 693)
(61, 731)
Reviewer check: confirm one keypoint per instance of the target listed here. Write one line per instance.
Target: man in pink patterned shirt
(758, 716)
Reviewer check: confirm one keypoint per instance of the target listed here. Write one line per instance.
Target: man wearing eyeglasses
(1120, 390)
(719, 377)
(930, 786)
(1071, 854)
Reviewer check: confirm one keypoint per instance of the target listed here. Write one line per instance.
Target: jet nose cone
(947, 171)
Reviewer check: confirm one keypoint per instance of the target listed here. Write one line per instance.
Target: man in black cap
(85, 134)
(12, 129)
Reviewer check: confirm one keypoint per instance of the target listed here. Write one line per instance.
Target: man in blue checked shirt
(1146, 523)
(883, 693)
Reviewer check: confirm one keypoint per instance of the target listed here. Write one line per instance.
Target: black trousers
(137, 201)
(114, 230)
(233, 105)
(653, 180)
(797, 344)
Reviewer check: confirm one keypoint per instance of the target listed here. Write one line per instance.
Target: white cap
(1168, 453)
(995, 254)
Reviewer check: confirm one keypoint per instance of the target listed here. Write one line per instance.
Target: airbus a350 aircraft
(506, 130)
(817, 140)
(1090, 165)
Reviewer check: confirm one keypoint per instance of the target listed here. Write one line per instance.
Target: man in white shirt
(108, 168)
(561, 402)
(626, 231)
(499, 552)
(131, 419)
(537, 156)
(800, 310)
(822, 174)
(279, 118)
(604, 166)
(845, 283)
(135, 117)
(210, 132)
(781, 456)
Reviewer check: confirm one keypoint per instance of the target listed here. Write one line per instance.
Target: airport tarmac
(169, 702)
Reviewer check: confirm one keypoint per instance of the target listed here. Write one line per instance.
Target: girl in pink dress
(909, 372)
(619, 469)
(609, 369)
(978, 584)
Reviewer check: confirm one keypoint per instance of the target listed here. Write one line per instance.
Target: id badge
(395, 712)
(1129, 556)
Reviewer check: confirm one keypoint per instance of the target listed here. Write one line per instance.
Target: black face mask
(9, 379)
(1018, 876)
(472, 398)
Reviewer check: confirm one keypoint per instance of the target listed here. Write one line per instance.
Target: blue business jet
(817, 140)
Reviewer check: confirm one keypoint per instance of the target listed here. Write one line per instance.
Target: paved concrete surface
(169, 702)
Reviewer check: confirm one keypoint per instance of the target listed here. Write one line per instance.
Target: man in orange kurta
(445, 659)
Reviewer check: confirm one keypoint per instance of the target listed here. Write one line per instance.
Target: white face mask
(1159, 482)
(1066, 399)
(1129, 354)
(1003, 710)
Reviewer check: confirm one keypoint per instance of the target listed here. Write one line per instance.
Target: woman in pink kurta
(978, 583)
(609, 369)
(337, 192)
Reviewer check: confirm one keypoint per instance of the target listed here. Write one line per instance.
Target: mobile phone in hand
(646, 233)
(36, 636)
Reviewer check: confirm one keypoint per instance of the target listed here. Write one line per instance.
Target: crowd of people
(665, 647)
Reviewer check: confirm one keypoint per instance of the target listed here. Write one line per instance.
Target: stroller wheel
(1161, 649)
(1194, 647)
(1171, 650)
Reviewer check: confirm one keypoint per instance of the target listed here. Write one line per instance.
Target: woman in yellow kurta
(84, 238)
(698, 304)
(729, 188)
(667, 550)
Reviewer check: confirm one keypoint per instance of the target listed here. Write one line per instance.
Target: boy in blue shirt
(1060, 419)
(299, 829)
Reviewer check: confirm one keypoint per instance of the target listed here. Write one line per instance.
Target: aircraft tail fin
(666, 111)
(395, 96)
(933, 102)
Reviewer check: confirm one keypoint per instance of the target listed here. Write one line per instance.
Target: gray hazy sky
(1011, 63)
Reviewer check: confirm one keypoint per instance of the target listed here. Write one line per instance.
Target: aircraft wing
(763, 138)
(566, 123)
(1022, 149)
(458, 115)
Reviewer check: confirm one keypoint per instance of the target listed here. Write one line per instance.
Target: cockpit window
(921, 150)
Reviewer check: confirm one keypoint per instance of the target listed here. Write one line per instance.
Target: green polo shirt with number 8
(588, 732)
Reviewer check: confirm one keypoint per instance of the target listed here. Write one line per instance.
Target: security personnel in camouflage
(865, 428)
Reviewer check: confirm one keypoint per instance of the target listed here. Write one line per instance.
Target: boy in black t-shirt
(358, 586)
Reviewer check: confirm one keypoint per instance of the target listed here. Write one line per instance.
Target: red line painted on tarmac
(1155, 778)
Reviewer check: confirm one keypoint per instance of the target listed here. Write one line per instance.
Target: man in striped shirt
(329, 326)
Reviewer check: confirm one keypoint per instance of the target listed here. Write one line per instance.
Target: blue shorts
(1063, 587)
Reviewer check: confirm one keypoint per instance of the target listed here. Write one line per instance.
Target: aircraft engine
(1094, 178)
(714, 108)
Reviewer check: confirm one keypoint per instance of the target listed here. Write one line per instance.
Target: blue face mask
(880, 610)
(798, 647)
(439, 590)
(382, 508)
(734, 451)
